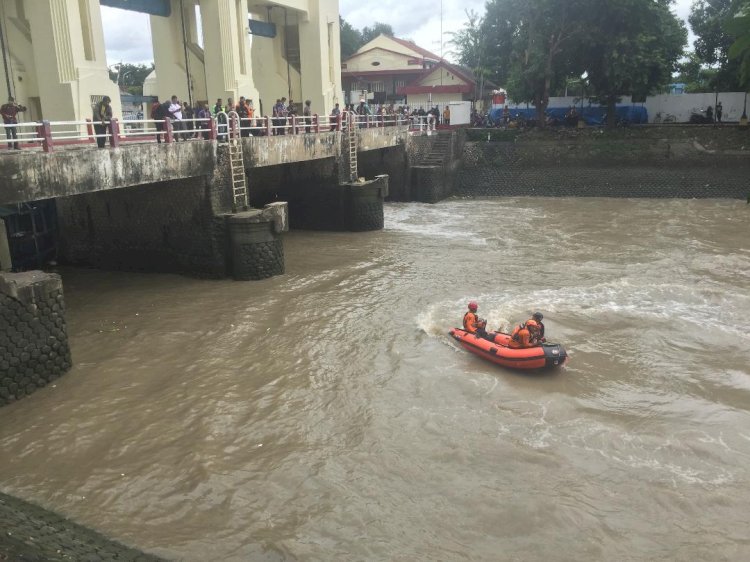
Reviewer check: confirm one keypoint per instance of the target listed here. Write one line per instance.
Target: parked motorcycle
(702, 117)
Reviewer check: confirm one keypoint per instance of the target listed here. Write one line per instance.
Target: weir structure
(54, 60)
(215, 206)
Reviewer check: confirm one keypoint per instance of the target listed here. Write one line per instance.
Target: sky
(128, 37)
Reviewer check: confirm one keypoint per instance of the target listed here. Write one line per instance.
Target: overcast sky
(128, 37)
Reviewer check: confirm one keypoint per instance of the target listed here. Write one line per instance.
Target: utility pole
(185, 48)
(441, 42)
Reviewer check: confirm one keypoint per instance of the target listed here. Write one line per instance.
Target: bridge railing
(14, 135)
(49, 135)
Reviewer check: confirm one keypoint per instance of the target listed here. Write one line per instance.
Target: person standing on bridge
(174, 112)
(335, 117)
(10, 113)
(101, 118)
(307, 116)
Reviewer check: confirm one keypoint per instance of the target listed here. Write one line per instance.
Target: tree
(470, 49)
(350, 38)
(379, 28)
(632, 48)
(130, 76)
(468, 41)
(708, 20)
(529, 41)
(697, 77)
(739, 52)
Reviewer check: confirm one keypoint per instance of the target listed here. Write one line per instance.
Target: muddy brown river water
(326, 415)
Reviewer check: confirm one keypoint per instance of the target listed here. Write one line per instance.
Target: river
(326, 415)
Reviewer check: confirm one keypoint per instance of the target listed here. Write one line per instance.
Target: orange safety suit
(521, 338)
(472, 323)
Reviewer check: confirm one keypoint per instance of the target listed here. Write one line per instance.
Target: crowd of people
(524, 335)
(193, 121)
(433, 115)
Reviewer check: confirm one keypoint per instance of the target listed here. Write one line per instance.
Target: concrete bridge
(214, 206)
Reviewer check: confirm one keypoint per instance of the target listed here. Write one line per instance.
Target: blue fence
(631, 114)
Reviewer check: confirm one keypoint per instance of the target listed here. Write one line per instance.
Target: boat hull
(545, 356)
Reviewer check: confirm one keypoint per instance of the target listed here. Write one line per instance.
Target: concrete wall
(275, 150)
(605, 168)
(316, 198)
(30, 176)
(381, 137)
(33, 337)
(163, 227)
(391, 161)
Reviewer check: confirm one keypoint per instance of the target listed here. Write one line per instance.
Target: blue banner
(626, 114)
(262, 28)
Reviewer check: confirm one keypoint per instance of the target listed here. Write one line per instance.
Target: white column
(227, 50)
(321, 55)
(69, 57)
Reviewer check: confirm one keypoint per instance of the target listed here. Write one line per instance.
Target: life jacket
(470, 322)
(521, 337)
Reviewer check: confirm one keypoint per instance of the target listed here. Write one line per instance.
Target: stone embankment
(33, 534)
(667, 161)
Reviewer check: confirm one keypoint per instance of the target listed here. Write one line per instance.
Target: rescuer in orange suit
(525, 335)
(475, 325)
(538, 317)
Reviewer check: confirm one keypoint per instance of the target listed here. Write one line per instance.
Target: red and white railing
(49, 135)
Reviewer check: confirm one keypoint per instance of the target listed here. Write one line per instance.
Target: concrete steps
(439, 151)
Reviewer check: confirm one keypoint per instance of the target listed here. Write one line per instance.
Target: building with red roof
(393, 70)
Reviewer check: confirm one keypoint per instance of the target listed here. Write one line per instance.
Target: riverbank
(34, 534)
(659, 162)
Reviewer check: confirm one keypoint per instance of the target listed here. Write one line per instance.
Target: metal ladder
(236, 163)
(351, 136)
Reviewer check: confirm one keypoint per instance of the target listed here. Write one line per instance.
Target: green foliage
(709, 20)
(352, 38)
(130, 77)
(739, 52)
(697, 78)
(632, 48)
(527, 45)
(379, 28)
(468, 48)
(468, 42)
(533, 47)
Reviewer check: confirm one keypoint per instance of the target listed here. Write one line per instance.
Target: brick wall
(630, 168)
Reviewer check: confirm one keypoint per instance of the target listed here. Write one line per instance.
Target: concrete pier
(33, 337)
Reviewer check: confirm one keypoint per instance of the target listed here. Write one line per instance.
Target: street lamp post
(581, 122)
(743, 119)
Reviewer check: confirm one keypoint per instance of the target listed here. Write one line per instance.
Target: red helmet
(532, 325)
(473, 306)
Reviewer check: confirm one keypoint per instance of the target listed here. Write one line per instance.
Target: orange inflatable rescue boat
(546, 355)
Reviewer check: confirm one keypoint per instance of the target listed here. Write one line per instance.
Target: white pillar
(69, 56)
(227, 50)
(176, 52)
(321, 56)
